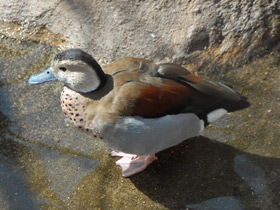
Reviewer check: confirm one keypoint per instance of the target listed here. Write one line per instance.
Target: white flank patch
(137, 135)
(216, 114)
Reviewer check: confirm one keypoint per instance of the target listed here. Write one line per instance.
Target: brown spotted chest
(73, 107)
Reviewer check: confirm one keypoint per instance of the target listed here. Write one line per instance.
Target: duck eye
(62, 68)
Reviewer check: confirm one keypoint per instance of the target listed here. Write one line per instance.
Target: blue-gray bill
(40, 78)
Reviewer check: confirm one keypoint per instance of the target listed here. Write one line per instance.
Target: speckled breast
(74, 107)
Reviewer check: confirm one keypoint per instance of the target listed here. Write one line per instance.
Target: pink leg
(133, 164)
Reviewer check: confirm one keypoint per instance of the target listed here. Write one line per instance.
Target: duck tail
(225, 106)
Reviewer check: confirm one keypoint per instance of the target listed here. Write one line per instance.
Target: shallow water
(46, 163)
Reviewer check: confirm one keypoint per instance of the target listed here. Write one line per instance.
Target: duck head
(76, 69)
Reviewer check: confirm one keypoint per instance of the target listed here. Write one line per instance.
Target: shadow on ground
(201, 169)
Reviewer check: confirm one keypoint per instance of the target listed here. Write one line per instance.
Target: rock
(197, 32)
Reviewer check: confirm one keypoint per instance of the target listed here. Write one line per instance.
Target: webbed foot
(133, 164)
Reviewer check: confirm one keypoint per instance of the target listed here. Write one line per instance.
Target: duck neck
(100, 73)
(102, 77)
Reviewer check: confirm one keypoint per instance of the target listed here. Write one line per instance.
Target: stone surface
(47, 164)
(235, 164)
(196, 32)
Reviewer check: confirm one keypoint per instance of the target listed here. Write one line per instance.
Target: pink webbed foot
(133, 164)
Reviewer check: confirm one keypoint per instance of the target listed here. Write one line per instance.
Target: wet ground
(45, 163)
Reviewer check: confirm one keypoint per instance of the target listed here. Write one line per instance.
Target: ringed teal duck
(136, 106)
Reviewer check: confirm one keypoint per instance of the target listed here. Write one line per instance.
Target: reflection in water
(253, 176)
(221, 203)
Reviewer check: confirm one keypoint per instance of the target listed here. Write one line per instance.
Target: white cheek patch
(82, 82)
(216, 114)
(62, 77)
(79, 76)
